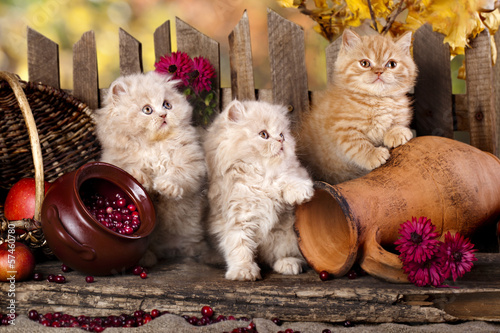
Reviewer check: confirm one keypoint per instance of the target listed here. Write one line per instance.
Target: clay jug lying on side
(454, 184)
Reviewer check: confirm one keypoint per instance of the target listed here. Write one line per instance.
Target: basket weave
(66, 137)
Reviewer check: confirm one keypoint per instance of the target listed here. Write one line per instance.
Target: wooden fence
(437, 110)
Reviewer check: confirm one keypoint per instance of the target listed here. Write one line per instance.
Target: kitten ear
(235, 111)
(117, 88)
(404, 42)
(350, 39)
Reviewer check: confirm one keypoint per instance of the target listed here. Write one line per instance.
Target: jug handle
(84, 251)
(378, 262)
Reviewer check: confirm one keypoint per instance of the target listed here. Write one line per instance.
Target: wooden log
(85, 75)
(331, 53)
(43, 59)
(181, 287)
(288, 65)
(481, 94)
(162, 40)
(240, 61)
(130, 54)
(433, 94)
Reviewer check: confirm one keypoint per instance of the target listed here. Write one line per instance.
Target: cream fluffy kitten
(255, 179)
(145, 128)
(366, 111)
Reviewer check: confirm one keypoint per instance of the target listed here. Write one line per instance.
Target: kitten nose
(379, 71)
(163, 116)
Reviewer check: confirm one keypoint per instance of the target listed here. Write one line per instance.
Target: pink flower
(418, 241)
(424, 273)
(202, 74)
(456, 256)
(178, 64)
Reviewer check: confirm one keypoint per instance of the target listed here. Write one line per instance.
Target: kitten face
(146, 106)
(259, 129)
(376, 65)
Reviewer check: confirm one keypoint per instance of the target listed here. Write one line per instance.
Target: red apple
(16, 262)
(20, 201)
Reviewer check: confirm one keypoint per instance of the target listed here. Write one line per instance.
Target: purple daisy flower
(426, 273)
(418, 241)
(202, 74)
(178, 64)
(456, 255)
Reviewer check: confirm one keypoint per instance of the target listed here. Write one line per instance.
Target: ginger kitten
(365, 112)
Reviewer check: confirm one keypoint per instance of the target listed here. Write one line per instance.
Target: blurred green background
(64, 21)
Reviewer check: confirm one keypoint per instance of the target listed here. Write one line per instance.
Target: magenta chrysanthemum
(424, 273)
(418, 241)
(202, 74)
(178, 64)
(456, 256)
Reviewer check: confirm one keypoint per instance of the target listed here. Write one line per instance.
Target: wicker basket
(44, 133)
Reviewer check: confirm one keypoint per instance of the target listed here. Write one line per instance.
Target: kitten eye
(391, 64)
(167, 105)
(264, 135)
(147, 109)
(365, 63)
(282, 137)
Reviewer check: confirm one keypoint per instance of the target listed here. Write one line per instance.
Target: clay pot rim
(82, 174)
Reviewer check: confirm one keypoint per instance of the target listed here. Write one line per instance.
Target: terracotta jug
(454, 184)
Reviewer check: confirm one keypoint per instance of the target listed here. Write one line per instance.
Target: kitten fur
(255, 179)
(145, 128)
(350, 129)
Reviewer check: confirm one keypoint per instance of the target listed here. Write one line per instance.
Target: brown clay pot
(77, 238)
(454, 184)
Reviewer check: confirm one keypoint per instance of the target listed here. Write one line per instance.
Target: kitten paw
(397, 137)
(142, 178)
(170, 190)
(297, 193)
(249, 272)
(376, 158)
(288, 266)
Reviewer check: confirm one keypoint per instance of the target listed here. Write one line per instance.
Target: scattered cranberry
(155, 313)
(352, 274)
(326, 330)
(277, 321)
(33, 315)
(137, 270)
(59, 279)
(38, 276)
(143, 275)
(324, 276)
(89, 279)
(50, 277)
(65, 268)
(207, 311)
(347, 323)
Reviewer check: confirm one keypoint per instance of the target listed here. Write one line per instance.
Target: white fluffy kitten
(255, 179)
(145, 128)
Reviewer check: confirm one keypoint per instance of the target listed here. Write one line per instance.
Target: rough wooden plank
(85, 76)
(163, 45)
(481, 93)
(240, 60)
(130, 54)
(43, 59)
(461, 113)
(331, 53)
(288, 66)
(196, 44)
(180, 287)
(433, 94)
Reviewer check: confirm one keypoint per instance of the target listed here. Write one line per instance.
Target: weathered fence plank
(85, 75)
(130, 54)
(331, 53)
(433, 94)
(43, 59)
(196, 44)
(288, 64)
(481, 93)
(240, 61)
(163, 44)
